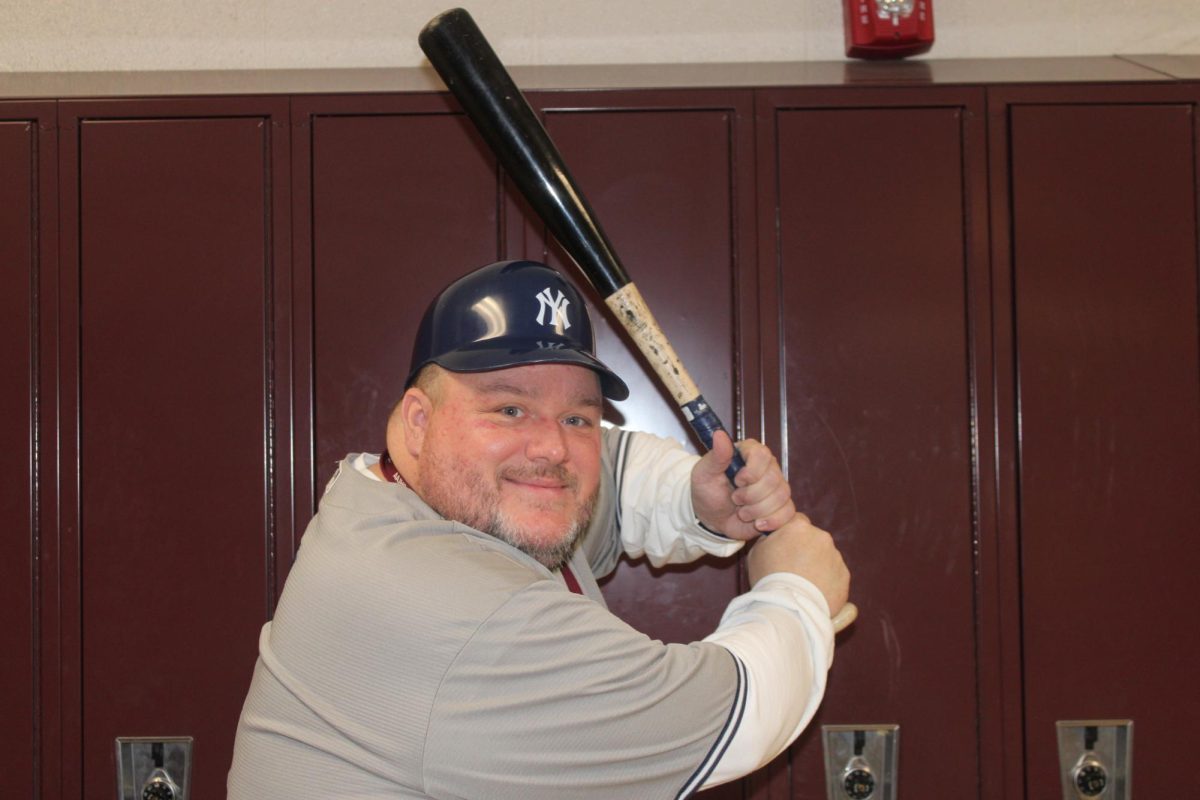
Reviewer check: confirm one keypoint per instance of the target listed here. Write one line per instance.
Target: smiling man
(514, 456)
(442, 633)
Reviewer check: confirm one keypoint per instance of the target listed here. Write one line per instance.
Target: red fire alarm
(888, 28)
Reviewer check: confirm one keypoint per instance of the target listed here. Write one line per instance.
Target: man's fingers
(763, 497)
(758, 460)
(802, 548)
(775, 508)
(762, 491)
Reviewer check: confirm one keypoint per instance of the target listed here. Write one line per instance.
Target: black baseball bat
(474, 74)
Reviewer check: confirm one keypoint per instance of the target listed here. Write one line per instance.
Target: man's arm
(781, 634)
(671, 506)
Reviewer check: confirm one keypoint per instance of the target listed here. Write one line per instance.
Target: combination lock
(1091, 779)
(159, 786)
(858, 781)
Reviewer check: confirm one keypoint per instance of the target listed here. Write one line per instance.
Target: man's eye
(510, 411)
(577, 422)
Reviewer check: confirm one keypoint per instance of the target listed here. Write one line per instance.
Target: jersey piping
(719, 745)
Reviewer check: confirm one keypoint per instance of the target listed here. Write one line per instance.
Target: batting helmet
(508, 314)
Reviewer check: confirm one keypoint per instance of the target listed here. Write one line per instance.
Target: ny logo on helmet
(556, 306)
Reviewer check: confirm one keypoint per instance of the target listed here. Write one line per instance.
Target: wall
(83, 35)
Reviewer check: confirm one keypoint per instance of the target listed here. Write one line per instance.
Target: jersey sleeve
(782, 637)
(649, 505)
(555, 698)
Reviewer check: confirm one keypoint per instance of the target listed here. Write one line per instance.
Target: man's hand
(762, 500)
(806, 550)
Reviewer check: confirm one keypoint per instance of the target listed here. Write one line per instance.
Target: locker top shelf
(1102, 69)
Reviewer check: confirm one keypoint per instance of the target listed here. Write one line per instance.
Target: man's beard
(476, 503)
(554, 556)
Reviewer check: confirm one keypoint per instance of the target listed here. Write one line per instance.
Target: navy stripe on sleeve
(612, 546)
(619, 470)
(736, 712)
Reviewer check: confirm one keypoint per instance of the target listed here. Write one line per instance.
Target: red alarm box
(888, 28)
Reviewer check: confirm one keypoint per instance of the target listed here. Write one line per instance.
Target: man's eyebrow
(591, 400)
(503, 387)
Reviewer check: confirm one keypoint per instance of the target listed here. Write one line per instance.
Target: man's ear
(412, 417)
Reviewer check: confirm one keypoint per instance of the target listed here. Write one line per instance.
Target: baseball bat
(472, 71)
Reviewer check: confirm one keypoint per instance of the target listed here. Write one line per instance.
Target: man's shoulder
(353, 493)
(380, 543)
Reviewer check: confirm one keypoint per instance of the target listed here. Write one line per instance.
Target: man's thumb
(717, 460)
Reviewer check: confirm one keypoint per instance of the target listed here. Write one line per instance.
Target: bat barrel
(471, 70)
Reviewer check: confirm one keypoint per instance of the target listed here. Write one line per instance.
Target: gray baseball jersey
(414, 657)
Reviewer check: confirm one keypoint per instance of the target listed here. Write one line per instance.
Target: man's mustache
(557, 474)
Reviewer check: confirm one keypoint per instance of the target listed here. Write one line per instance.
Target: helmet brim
(498, 353)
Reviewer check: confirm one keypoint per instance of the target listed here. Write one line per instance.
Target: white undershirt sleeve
(781, 633)
(654, 503)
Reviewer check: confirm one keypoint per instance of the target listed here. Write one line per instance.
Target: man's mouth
(550, 480)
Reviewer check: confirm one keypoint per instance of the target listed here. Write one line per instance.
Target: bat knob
(845, 617)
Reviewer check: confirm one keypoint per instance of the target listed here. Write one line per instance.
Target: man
(442, 633)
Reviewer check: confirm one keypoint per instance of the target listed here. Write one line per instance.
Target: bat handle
(706, 423)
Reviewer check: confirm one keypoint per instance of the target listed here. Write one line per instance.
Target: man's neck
(390, 471)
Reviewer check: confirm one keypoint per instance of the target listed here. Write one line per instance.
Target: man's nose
(547, 442)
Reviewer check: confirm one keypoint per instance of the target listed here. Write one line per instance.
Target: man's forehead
(581, 384)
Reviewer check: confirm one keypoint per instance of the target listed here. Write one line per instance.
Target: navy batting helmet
(505, 315)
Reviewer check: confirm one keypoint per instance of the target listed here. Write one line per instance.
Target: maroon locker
(1104, 277)
(847, 319)
(669, 178)
(26, 255)
(171, 258)
(395, 198)
(872, 254)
